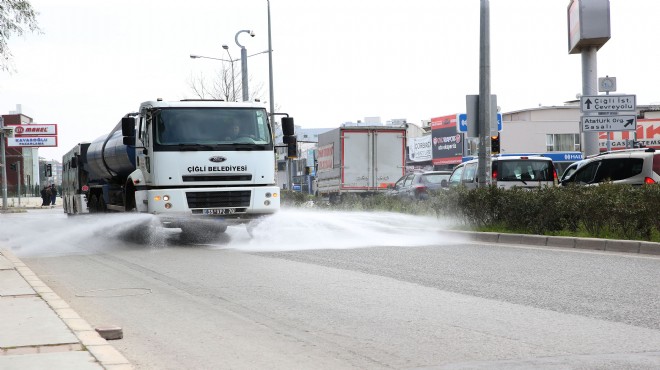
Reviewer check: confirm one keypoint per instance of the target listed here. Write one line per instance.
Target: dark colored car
(418, 185)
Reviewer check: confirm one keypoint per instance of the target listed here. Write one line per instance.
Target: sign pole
(589, 78)
(609, 143)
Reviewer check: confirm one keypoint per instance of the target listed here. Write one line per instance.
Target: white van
(628, 166)
(508, 171)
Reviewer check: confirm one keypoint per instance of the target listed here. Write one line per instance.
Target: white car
(508, 171)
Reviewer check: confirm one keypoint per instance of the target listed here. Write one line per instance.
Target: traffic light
(49, 170)
(289, 138)
(291, 146)
(495, 144)
(13, 166)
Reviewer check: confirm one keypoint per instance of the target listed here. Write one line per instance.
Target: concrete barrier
(590, 243)
(629, 246)
(486, 237)
(561, 241)
(509, 238)
(540, 240)
(649, 248)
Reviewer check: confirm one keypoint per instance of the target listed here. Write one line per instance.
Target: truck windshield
(210, 127)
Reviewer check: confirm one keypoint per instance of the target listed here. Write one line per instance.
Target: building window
(562, 142)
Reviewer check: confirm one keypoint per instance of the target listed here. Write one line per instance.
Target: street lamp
(244, 70)
(192, 56)
(233, 75)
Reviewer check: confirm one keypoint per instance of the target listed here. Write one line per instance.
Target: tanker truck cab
(189, 162)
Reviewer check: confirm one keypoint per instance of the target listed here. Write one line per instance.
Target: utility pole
(18, 181)
(484, 165)
(4, 164)
(270, 71)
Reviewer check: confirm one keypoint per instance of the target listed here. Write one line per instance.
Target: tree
(223, 86)
(15, 17)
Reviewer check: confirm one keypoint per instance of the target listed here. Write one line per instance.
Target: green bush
(606, 211)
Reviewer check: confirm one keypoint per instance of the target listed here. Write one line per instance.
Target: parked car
(419, 185)
(628, 166)
(508, 171)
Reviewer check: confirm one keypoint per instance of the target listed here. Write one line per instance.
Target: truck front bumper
(236, 204)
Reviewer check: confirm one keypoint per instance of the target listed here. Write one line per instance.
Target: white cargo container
(360, 159)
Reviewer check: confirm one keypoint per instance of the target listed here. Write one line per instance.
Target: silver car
(419, 185)
(629, 166)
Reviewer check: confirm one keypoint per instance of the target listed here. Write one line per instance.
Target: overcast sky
(333, 61)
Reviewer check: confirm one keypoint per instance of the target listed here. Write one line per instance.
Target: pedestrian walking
(53, 194)
(45, 196)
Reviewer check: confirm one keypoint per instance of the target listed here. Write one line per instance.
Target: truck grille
(190, 178)
(219, 199)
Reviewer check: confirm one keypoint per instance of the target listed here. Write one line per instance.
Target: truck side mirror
(287, 126)
(129, 140)
(128, 127)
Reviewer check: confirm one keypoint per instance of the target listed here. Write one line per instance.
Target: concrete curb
(608, 245)
(106, 355)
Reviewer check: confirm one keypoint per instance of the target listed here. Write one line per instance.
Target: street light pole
(270, 71)
(233, 75)
(4, 165)
(18, 181)
(244, 69)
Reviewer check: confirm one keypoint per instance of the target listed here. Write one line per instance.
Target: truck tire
(202, 233)
(93, 203)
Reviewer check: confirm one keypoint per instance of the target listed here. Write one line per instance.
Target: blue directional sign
(463, 125)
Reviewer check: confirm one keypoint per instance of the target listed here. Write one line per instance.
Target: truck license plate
(218, 211)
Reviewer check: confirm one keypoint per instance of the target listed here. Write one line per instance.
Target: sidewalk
(26, 203)
(38, 330)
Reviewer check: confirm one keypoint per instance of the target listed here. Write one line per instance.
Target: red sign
(447, 144)
(325, 158)
(35, 130)
(647, 134)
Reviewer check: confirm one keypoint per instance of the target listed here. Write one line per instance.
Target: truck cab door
(143, 159)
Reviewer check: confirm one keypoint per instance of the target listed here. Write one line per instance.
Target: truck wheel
(93, 204)
(101, 205)
(201, 233)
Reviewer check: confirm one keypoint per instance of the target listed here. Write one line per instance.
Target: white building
(556, 129)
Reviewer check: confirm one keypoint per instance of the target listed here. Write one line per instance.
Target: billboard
(33, 135)
(35, 130)
(447, 144)
(32, 141)
(419, 149)
(588, 24)
(647, 134)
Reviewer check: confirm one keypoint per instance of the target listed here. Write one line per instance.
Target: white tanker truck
(181, 161)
